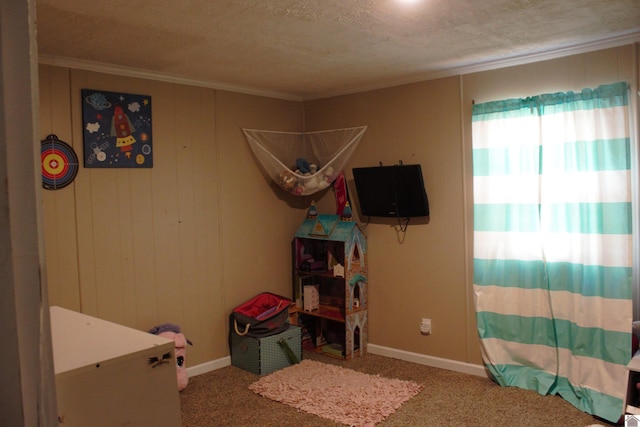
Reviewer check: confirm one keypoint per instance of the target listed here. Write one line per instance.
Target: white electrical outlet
(425, 326)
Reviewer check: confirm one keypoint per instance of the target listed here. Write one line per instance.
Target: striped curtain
(553, 244)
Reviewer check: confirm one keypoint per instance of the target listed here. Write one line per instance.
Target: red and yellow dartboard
(59, 163)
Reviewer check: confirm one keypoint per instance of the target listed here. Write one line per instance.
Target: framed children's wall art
(116, 130)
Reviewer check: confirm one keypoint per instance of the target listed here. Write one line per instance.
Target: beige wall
(430, 274)
(423, 272)
(204, 230)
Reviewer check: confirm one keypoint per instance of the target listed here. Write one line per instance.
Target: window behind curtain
(553, 244)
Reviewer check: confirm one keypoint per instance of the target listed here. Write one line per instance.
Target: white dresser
(111, 375)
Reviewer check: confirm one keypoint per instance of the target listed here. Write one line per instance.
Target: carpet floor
(222, 398)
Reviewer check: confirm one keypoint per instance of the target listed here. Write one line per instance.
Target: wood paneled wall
(182, 242)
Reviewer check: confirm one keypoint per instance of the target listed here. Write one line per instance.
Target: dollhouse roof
(327, 227)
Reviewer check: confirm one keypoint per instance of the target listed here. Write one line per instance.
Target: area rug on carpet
(335, 393)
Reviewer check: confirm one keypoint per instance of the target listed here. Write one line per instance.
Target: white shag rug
(335, 393)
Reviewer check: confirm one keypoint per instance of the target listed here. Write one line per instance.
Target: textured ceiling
(316, 48)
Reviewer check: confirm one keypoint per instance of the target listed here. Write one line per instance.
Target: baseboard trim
(212, 365)
(422, 359)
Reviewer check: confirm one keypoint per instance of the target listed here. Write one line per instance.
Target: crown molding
(553, 53)
(119, 70)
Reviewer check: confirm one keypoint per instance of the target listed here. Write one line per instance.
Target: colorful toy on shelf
(312, 212)
(347, 215)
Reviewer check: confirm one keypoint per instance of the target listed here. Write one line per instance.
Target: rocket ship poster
(116, 130)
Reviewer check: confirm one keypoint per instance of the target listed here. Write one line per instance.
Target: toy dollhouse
(330, 285)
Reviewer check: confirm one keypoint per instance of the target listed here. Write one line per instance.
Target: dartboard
(59, 163)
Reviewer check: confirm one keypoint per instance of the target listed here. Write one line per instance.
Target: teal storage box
(265, 355)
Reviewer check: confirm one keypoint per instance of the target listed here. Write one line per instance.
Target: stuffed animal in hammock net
(172, 332)
(303, 163)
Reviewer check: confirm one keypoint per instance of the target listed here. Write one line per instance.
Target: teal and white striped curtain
(553, 244)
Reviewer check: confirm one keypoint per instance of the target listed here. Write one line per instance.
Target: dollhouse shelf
(329, 258)
(324, 311)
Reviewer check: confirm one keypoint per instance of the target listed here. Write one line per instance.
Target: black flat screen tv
(391, 191)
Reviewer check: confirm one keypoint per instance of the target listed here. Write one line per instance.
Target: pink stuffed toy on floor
(172, 332)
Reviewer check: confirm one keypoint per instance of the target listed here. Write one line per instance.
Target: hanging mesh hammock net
(304, 163)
